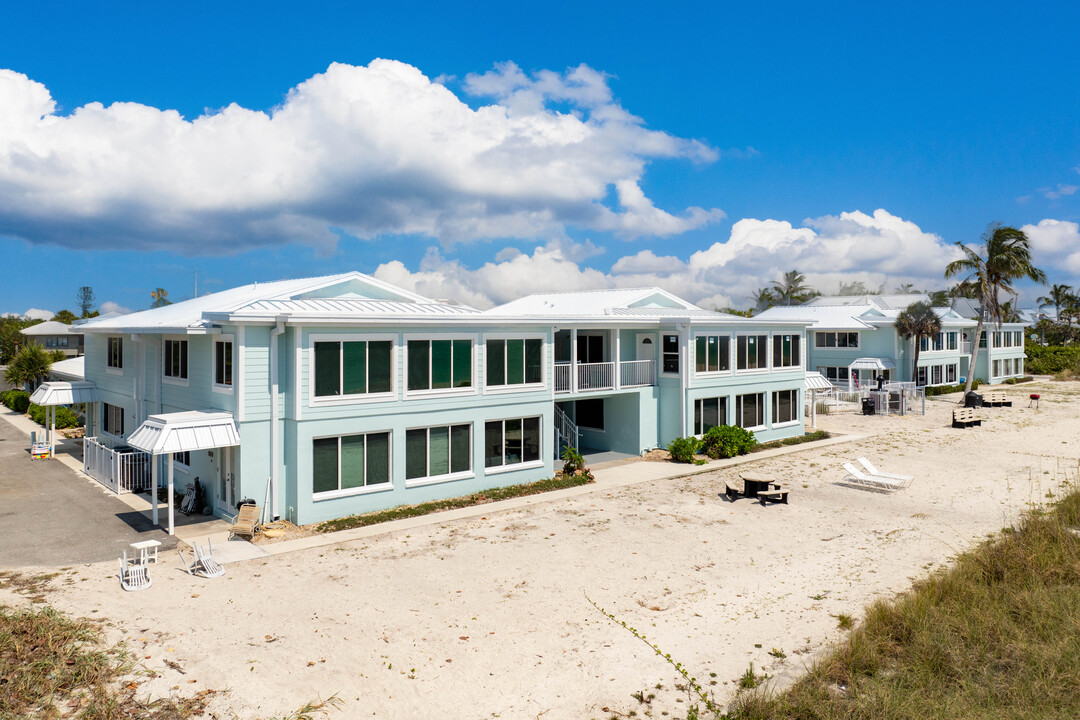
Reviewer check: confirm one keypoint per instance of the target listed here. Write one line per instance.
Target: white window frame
(109, 367)
(355, 398)
(856, 333)
(524, 465)
(796, 399)
(439, 392)
(764, 410)
(661, 353)
(952, 372)
(365, 489)
(104, 420)
(723, 421)
(773, 362)
(170, 380)
(522, 387)
(732, 344)
(735, 353)
(824, 370)
(446, 477)
(937, 375)
(223, 389)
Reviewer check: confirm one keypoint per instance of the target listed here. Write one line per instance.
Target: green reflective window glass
(460, 449)
(714, 352)
(327, 369)
(378, 458)
(710, 413)
(441, 364)
(324, 466)
(493, 449)
(534, 360)
(701, 354)
(352, 461)
(439, 451)
(416, 459)
(515, 362)
(354, 368)
(496, 362)
(462, 363)
(419, 365)
(512, 449)
(379, 366)
(530, 439)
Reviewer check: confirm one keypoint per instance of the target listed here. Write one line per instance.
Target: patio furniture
(856, 476)
(904, 480)
(763, 488)
(1033, 399)
(247, 521)
(997, 398)
(734, 489)
(134, 575)
(973, 400)
(202, 561)
(964, 418)
(146, 550)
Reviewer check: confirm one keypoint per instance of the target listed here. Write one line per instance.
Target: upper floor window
(830, 339)
(982, 339)
(751, 352)
(950, 341)
(345, 368)
(671, 353)
(115, 353)
(514, 362)
(712, 353)
(786, 351)
(440, 364)
(223, 367)
(590, 348)
(176, 359)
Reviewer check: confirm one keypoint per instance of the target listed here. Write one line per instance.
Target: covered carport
(171, 433)
(53, 394)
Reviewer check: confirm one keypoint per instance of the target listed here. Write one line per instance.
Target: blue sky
(702, 147)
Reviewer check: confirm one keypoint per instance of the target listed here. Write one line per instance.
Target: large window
(709, 413)
(920, 376)
(935, 375)
(712, 353)
(785, 406)
(437, 451)
(115, 358)
(671, 353)
(344, 368)
(223, 365)
(785, 352)
(440, 364)
(511, 442)
(750, 410)
(834, 373)
(950, 374)
(514, 362)
(830, 339)
(175, 359)
(590, 348)
(752, 351)
(349, 462)
(112, 419)
(941, 341)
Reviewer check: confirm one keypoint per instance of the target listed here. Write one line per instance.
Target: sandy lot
(488, 618)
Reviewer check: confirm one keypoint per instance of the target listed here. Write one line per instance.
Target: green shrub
(17, 400)
(1051, 359)
(683, 449)
(65, 417)
(946, 389)
(1014, 381)
(573, 461)
(727, 441)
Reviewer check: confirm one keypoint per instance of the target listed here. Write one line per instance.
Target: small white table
(147, 550)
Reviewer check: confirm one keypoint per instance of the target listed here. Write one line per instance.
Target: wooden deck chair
(134, 575)
(247, 521)
(210, 566)
(860, 478)
(904, 480)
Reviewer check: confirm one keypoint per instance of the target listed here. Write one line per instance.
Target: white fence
(601, 376)
(637, 373)
(122, 469)
(893, 399)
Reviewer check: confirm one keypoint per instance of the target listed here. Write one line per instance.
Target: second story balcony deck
(604, 376)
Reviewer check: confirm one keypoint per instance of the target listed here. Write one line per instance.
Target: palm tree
(917, 321)
(939, 298)
(1058, 296)
(30, 366)
(1003, 257)
(161, 298)
(905, 289)
(763, 299)
(791, 288)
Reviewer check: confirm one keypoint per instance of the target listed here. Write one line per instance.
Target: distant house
(54, 335)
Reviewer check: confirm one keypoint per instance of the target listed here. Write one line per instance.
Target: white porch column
(573, 360)
(155, 460)
(169, 459)
(52, 429)
(618, 358)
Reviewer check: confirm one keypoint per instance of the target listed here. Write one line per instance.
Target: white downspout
(684, 358)
(275, 448)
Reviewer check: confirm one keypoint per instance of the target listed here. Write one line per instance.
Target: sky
(484, 151)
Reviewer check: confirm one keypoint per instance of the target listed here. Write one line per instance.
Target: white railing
(566, 432)
(637, 373)
(596, 376)
(965, 348)
(122, 471)
(562, 377)
(894, 399)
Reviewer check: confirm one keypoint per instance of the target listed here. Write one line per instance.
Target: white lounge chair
(860, 478)
(202, 562)
(134, 574)
(904, 480)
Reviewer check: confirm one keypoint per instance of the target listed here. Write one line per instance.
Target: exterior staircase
(566, 432)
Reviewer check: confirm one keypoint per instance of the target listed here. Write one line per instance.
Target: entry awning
(65, 393)
(872, 364)
(817, 381)
(184, 432)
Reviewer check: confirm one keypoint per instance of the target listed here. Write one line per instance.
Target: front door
(646, 347)
(224, 457)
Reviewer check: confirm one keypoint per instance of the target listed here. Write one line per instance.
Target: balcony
(601, 376)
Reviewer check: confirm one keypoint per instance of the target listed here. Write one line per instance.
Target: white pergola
(869, 363)
(813, 382)
(188, 431)
(52, 394)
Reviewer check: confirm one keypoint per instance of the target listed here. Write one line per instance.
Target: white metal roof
(590, 302)
(52, 327)
(185, 431)
(830, 317)
(334, 307)
(56, 392)
(816, 381)
(70, 369)
(872, 364)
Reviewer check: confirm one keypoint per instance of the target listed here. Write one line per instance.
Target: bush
(1051, 359)
(17, 400)
(1014, 381)
(573, 461)
(65, 417)
(947, 389)
(727, 441)
(683, 449)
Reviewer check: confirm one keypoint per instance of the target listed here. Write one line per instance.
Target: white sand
(488, 617)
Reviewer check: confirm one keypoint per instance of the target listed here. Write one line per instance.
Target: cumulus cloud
(1059, 191)
(112, 307)
(38, 314)
(879, 249)
(361, 151)
(1055, 244)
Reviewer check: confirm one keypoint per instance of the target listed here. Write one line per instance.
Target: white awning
(64, 393)
(817, 381)
(872, 364)
(185, 431)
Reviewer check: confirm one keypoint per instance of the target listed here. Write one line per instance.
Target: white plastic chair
(202, 562)
(904, 480)
(134, 575)
(860, 478)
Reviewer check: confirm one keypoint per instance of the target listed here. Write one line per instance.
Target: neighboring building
(855, 342)
(55, 335)
(351, 395)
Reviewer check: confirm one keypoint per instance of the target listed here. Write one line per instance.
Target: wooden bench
(778, 493)
(997, 398)
(964, 418)
(733, 490)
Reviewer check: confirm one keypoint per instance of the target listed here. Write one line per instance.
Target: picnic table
(761, 487)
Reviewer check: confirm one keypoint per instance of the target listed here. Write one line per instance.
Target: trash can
(868, 406)
(973, 400)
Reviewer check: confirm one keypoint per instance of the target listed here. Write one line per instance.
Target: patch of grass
(797, 440)
(558, 482)
(995, 635)
(844, 621)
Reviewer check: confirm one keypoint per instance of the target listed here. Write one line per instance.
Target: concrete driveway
(49, 516)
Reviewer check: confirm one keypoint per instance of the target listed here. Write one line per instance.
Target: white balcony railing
(601, 376)
(596, 376)
(637, 373)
